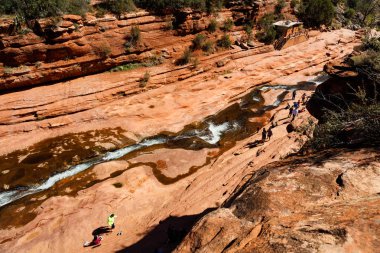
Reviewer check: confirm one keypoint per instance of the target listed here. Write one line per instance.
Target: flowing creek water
(56, 162)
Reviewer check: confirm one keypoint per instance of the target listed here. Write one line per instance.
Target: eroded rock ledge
(327, 202)
(74, 46)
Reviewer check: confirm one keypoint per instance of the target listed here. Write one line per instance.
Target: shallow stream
(56, 161)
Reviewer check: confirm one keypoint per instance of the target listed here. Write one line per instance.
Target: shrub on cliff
(134, 38)
(369, 60)
(317, 12)
(212, 26)
(279, 6)
(267, 32)
(198, 42)
(224, 41)
(208, 47)
(34, 9)
(118, 6)
(228, 25)
(144, 80)
(167, 6)
(185, 58)
(7, 7)
(267, 36)
(358, 125)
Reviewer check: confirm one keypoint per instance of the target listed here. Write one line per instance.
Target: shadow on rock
(101, 231)
(167, 235)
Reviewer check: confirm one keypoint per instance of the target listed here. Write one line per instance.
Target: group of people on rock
(96, 241)
(294, 110)
(266, 134)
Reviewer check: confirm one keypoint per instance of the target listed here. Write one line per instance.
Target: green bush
(194, 63)
(349, 13)
(208, 46)
(118, 6)
(35, 9)
(372, 44)
(359, 124)
(352, 3)
(212, 26)
(103, 50)
(369, 60)
(294, 3)
(167, 6)
(77, 7)
(7, 7)
(267, 36)
(224, 41)
(213, 5)
(126, 67)
(198, 42)
(279, 6)
(134, 38)
(144, 80)
(248, 30)
(228, 25)
(154, 60)
(266, 21)
(185, 58)
(317, 12)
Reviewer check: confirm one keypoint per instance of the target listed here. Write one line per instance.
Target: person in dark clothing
(290, 112)
(294, 94)
(264, 135)
(304, 98)
(270, 133)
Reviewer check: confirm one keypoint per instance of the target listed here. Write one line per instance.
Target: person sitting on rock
(95, 242)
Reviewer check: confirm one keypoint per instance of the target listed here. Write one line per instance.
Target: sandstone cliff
(49, 130)
(74, 46)
(326, 201)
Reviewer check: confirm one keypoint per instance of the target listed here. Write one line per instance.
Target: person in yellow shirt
(111, 221)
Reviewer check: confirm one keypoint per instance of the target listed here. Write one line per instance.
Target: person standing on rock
(270, 133)
(264, 135)
(294, 94)
(294, 113)
(290, 111)
(111, 221)
(304, 98)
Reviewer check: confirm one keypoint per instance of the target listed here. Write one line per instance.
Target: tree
(370, 10)
(317, 12)
(118, 7)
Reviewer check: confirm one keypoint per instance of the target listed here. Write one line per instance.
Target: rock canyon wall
(78, 142)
